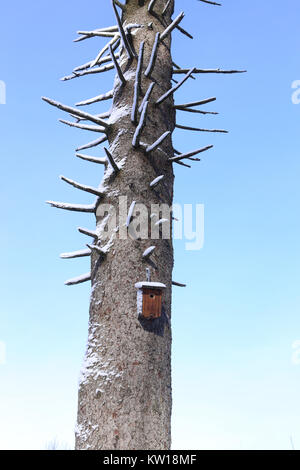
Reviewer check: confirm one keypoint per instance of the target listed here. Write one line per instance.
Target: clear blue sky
(235, 384)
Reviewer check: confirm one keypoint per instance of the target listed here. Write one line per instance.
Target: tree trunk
(125, 388)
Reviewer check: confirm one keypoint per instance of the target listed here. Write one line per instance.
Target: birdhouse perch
(149, 299)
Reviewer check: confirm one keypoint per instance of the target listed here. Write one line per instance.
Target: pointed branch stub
(175, 88)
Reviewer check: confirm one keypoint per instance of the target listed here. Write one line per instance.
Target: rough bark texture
(125, 388)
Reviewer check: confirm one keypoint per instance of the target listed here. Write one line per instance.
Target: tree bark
(125, 394)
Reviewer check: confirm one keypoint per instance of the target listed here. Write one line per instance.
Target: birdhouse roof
(150, 285)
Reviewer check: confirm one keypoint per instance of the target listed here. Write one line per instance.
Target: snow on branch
(89, 233)
(157, 180)
(111, 160)
(130, 213)
(109, 28)
(125, 42)
(117, 66)
(84, 127)
(172, 26)
(94, 143)
(76, 112)
(79, 280)
(140, 127)
(73, 207)
(102, 69)
(151, 65)
(152, 147)
(97, 249)
(190, 154)
(82, 187)
(147, 96)
(137, 84)
(93, 34)
(101, 161)
(96, 99)
(97, 32)
(175, 88)
(114, 41)
(147, 253)
(76, 254)
(105, 32)
(103, 60)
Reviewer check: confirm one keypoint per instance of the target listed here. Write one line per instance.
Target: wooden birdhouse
(149, 299)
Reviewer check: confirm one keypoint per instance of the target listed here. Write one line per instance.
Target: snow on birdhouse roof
(150, 285)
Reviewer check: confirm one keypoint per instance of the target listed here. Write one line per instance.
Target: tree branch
(172, 90)
(140, 127)
(76, 254)
(126, 44)
(117, 66)
(190, 154)
(112, 161)
(101, 161)
(151, 65)
(89, 233)
(137, 84)
(78, 280)
(179, 71)
(152, 147)
(96, 99)
(94, 143)
(82, 187)
(188, 128)
(147, 96)
(84, 126)
(173, 25)
(73, 207)
(76, 112)
(211, 3)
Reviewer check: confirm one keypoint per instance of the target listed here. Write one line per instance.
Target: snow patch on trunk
(93, 367)
(83, 431)
(104, 185)
(119, 113)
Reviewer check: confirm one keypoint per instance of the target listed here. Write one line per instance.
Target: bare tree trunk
(125, 395)
(125, 388)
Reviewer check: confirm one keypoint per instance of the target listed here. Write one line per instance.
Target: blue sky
(235, 383)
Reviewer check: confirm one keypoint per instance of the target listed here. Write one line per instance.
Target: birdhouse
(149, 299)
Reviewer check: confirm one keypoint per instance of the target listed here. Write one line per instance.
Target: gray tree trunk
(125, 390)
